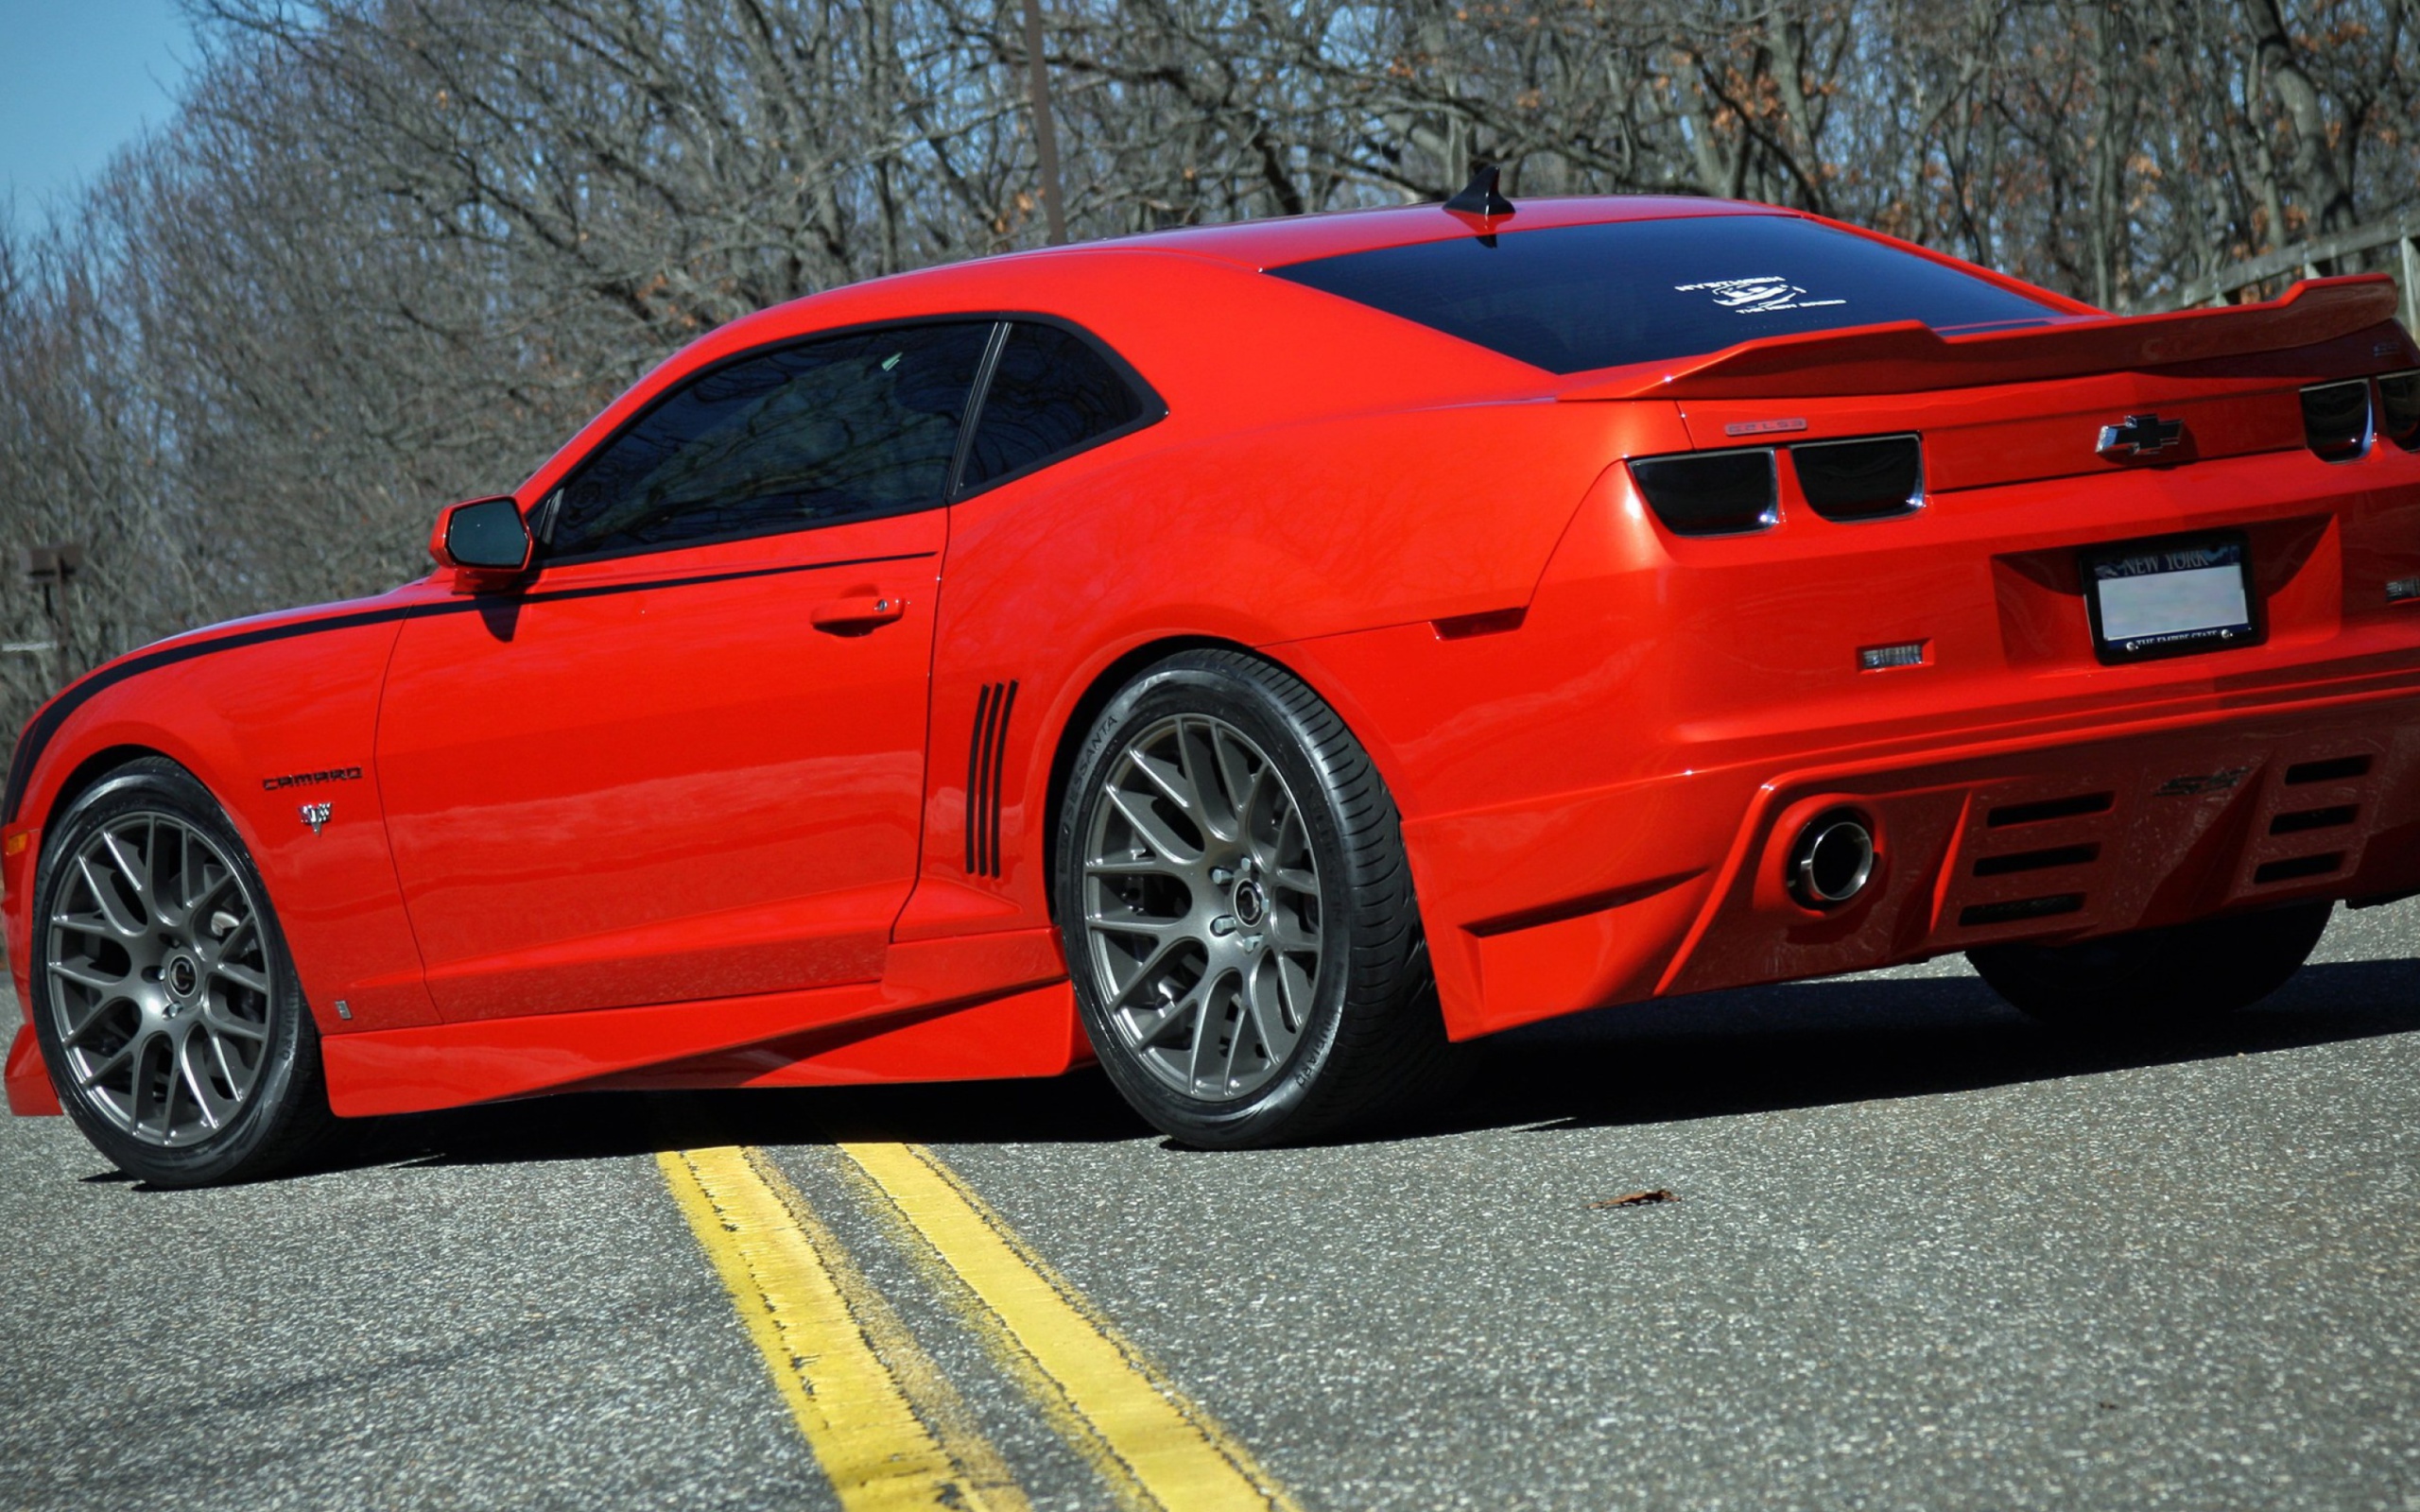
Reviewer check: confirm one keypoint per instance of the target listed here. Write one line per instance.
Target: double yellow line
(885, 1425)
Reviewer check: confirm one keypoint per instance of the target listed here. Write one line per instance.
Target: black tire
(2157, 979)
(1371, 1041)
(283, 1109)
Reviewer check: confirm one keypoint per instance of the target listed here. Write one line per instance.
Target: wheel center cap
(1251, 904)
(181, 976)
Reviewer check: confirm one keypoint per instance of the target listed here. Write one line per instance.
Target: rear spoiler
(1907, 356)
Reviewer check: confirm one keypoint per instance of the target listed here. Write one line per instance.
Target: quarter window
(1052, 393)
(844, 428)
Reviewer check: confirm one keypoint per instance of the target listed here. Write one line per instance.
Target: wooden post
(2411, 284)
(1045, 132)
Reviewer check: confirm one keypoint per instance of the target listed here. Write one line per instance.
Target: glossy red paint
(670, 793)
(993, 1005)
(699, 816)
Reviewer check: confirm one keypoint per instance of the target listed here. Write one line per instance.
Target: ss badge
(316, 816)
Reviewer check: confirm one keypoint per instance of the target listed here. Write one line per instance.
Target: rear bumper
(1598, 803)
(2130, 825)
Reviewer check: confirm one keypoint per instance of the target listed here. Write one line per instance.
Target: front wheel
(163, 1000)
(1237, 909)
(2156, 978)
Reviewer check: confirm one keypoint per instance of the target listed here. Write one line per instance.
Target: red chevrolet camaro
(1256, 656)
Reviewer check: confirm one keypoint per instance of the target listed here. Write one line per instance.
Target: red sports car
(1254, 657)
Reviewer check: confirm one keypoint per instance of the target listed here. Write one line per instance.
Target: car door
(684, 759)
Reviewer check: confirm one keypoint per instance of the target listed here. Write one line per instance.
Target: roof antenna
(1479, 196)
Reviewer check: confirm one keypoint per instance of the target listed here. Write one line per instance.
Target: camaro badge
(316, 816)
(333, 774)
(2140, 436)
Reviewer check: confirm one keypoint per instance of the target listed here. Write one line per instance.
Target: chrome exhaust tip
(1833, 859)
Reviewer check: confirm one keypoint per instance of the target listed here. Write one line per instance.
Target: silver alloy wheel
(160, 986)
(1202, 907)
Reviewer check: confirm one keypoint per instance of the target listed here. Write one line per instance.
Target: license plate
(2169, 597)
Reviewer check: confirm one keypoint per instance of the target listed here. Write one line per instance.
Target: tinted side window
(1570, 297)
(1050, 393)
(845, 428)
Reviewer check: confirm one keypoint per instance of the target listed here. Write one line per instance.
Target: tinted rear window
(1578, 296)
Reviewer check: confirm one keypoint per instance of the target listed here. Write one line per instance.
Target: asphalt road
(1922, 1255)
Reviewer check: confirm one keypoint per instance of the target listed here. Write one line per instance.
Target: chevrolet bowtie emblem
(2140, 436)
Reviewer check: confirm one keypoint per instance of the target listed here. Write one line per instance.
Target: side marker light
(1883, 657)
(15, 845)
(1494, 622)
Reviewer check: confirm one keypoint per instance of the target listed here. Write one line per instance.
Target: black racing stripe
(45, 724)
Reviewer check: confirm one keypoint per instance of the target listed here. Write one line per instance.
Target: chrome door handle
(857, 616)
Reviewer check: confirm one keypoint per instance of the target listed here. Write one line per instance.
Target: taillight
(1870, 480)
(2400, 410)
(2336, 418)
(1711, 494)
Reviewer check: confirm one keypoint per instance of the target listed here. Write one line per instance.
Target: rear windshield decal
(1762, 295)
(1570, 298)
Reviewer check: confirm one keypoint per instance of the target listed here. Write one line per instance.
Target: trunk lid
(2018, 405)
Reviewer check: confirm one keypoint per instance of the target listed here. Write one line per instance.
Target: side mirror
(485, 540)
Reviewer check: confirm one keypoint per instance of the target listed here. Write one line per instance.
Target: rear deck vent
(2016, 861)
(2299, 866)
(2052, 808)
(2399, 408)
(2336, 418)
(1711, 494)
(984, 765)
(1861, 480)
(2023, 908)
(2335, 770)
(2329, 819)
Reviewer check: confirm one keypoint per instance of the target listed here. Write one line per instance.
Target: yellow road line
(1157, 1450)
(887, 1428)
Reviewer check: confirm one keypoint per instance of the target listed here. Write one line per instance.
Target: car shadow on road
(1859, 1040)
(1760, 1050)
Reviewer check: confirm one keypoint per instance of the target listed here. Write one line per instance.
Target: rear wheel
(1237, 909)
(2156, 978)
(165, 1003)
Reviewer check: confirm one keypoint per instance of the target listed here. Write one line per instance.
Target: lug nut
(1223, 925)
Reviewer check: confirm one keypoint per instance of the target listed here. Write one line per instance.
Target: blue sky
(78, 78)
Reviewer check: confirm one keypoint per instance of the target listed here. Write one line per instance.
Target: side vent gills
(2296, 823)
(2064, 856)
(2023, 908)
(2336, 770)
(985, 760)
(2055, 808)
(2299, 866)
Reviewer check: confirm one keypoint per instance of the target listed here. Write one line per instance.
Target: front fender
(267, 720)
